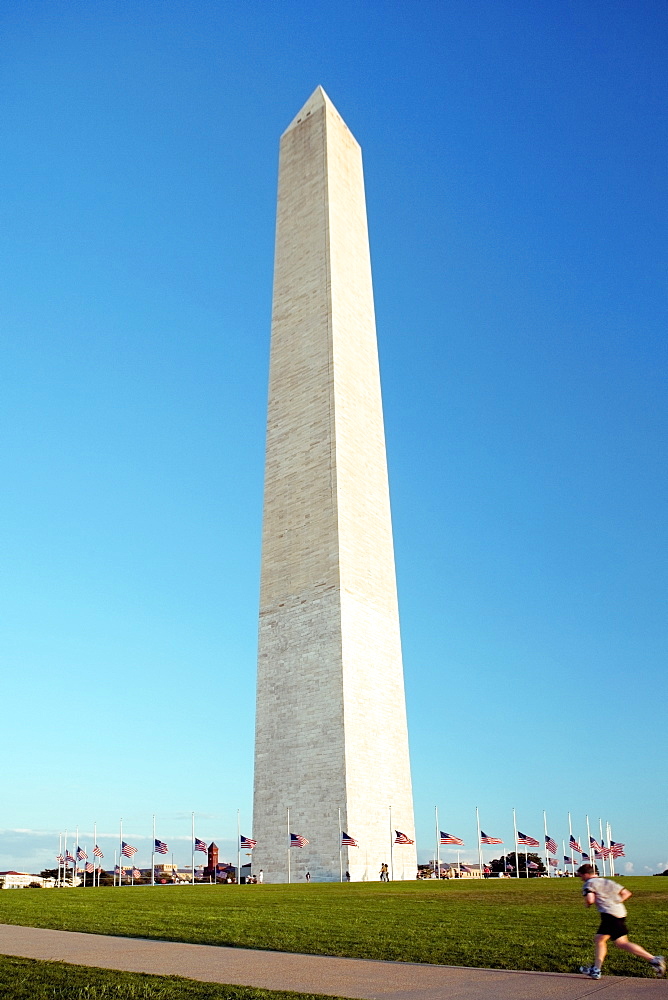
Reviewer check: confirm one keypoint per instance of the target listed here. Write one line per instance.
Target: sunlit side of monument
(331, 736)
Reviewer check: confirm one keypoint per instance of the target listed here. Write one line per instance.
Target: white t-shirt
(607, 895)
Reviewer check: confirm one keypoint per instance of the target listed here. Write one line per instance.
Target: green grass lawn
(537, 924)
(25, 979)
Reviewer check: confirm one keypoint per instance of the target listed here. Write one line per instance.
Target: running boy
(609, 899)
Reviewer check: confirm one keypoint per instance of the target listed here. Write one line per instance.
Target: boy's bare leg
(635, 949)
(601, 948)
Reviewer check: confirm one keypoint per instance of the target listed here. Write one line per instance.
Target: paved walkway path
(343, 977)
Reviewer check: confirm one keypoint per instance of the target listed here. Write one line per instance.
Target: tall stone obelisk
(331, 735)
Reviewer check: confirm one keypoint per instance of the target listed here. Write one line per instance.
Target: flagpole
(115, 866)
(192, 853)
(288, 845)
(477, 819)
(76, 859)
(391, 848)
(238, 850)
(589, 850)
(153, 854)
(120, 855)
(517, 856)
(94, 846)
(600, 826)
(438, 844)
(570, 844)
(607, 837)
(340, 848)
(60, 855)
(545, 853)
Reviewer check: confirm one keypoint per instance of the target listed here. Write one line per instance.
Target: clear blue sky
(515, 171)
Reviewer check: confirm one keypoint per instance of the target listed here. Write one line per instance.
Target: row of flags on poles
(134, 872)
(347, 841)
(599, 850)
(245, 844)
(79, 855)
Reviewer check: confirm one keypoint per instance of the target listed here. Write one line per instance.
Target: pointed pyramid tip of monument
(318, 99)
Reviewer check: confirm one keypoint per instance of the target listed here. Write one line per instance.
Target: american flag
(550, 844)
(60, 858)
(128, 850)
(117, 870)
(97, 852)
(136, 873)
(401, 838)
(246, 842)
(553, 862)
(69, 860)
(484, 839)
(160, 847)
(573, 844)
(81, 854)
(617, 850)
(585, 857)
(200, 845)
(568, 861)
(532, 864)
(465, 868)
(90, 867)
(600, 850)
(347, 840)
(297, 841)
(449, 838)
(526, 840)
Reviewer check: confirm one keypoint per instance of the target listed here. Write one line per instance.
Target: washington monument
(331, 745)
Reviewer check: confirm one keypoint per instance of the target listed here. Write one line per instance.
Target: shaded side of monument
(331, 736)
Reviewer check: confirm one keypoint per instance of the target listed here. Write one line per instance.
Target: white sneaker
(658, 963)
(591, 971)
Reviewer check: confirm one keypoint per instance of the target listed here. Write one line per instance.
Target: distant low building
(23, 880)
(455, 870)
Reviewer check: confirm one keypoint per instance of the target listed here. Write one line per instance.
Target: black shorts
(615, 927)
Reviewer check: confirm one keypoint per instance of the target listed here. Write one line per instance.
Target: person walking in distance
(609, 898)
(260, 877)
(308, 876)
